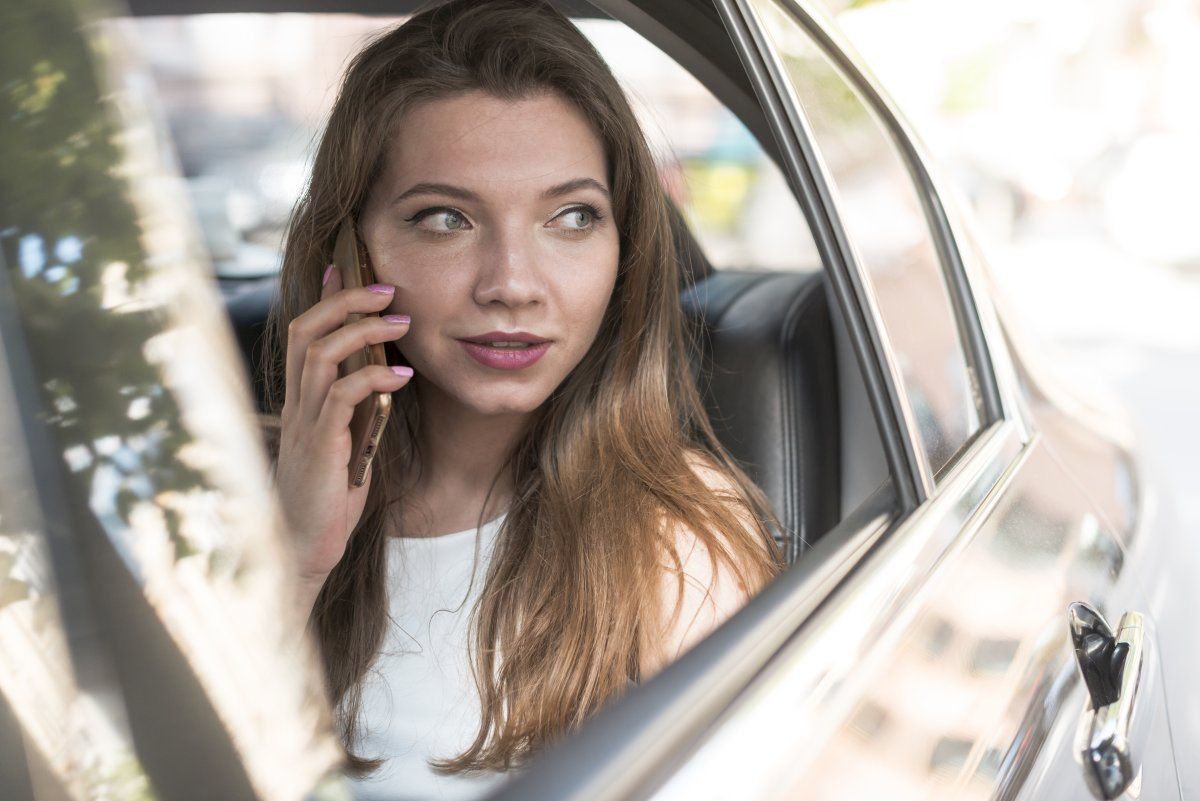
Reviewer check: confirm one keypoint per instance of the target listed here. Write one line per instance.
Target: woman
(550, 515)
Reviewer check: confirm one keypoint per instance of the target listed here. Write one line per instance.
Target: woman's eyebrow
(426, 188)
(574, 185)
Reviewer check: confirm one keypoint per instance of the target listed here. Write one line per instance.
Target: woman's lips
(504, 358)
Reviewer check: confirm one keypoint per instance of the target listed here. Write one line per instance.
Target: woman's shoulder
(724, 488)
(704, 578)
(706, 469)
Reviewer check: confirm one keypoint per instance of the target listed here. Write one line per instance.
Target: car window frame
(759, 107)
(976, 348)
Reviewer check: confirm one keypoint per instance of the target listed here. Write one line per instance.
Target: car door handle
(1111, 736)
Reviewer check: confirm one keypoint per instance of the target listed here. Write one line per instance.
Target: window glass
(884, 219)
(734, 197)
(245, 96)
(124, 362)
(40, 696)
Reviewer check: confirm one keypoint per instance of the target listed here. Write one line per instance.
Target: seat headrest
(767, 371)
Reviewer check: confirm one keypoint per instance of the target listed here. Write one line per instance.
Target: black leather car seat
(767, 372)
(765, 367)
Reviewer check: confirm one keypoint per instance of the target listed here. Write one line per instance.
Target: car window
(881, 210)
(734, 197)
(244, 120)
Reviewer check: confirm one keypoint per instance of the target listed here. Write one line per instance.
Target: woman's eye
(442, 220)
(579, 218)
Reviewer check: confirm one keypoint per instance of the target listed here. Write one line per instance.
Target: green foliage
(68, 231)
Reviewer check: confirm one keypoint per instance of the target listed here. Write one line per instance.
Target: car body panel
(1092, 479)
(940, 670)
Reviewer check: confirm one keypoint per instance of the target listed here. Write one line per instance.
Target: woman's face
(493, 220)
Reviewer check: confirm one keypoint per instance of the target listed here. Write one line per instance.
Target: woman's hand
(312, 474)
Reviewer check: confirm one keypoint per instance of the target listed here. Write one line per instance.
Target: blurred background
(1073, 128)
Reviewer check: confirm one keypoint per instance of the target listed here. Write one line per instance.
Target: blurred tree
(70, 238)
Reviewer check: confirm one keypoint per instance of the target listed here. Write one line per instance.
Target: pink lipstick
(506, 350)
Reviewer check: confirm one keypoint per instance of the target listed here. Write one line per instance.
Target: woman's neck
(462, 453)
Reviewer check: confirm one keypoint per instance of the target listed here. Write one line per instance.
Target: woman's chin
(504, 404)
(499, 400)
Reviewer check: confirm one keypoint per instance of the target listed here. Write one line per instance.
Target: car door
(942, 667)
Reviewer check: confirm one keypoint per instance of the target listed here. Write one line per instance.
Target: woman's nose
(509, 273)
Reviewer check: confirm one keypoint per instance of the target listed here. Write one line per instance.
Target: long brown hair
(603, 476)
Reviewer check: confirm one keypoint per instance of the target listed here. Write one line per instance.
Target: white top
(419, 697)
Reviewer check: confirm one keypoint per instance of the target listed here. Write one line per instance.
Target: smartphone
(370, 416)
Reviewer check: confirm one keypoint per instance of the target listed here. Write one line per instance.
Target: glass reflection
(142, 392)
(884, 218)
(74, 739)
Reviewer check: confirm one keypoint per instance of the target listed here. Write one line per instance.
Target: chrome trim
(849, 283)
(1004, 373)
(1112, 739)
(829, 38)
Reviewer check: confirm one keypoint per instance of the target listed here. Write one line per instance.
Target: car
(967, 609)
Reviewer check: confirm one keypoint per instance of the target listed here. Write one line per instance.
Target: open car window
(244, 121)
(201, 546)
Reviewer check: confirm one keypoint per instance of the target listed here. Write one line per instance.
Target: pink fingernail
(403, 319)
(382, 289)
(400, 369)
(328, 272)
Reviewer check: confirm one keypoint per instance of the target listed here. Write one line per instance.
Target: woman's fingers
(326, 315)
(297, 341)
(333, 422)
(320, 369)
